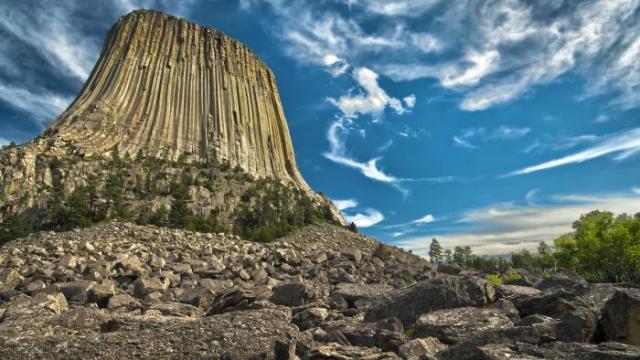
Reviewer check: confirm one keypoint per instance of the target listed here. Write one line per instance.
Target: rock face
(166, 87)
(171, 100)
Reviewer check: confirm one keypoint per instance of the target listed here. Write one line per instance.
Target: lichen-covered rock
(418, 348)
(309, 318)
(577, 316)
(361, 296)
(620, 317)
(293, 293)
(145, 286)
(454, 325)
(436, 294)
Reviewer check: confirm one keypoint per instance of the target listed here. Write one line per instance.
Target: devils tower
(166, 87)
(178, 124)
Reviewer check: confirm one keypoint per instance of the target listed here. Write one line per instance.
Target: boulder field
(123, 291)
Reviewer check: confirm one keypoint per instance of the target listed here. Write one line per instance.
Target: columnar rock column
(166, 87)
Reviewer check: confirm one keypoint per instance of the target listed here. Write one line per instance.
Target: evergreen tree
(458, 255)
(448, 256)
(115, 195)
(467, 254)
(180, 212)
(435, 251)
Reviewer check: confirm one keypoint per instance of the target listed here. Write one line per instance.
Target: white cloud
(496, 51)
(42, 105)
(625, 144)
(424, 220)
(337, 153)
(468, 137)
(509, 133)
(369, 169)
(460, 141)
(410, 101)
(503, 228)
(411, 8)
(601, 118)
(365, 219)
(335, 65)
(373, 101)
(345, 204)
(531, 196)
(4, 142)
(49, 31)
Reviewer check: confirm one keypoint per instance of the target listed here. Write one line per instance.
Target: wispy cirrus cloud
(501, 50)
(624, 144)
(43, 104)
(44, 41)
(469, 137)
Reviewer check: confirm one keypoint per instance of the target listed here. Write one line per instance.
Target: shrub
(513, 277)
(494, 279)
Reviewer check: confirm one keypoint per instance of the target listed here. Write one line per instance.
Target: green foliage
(602, 247)
(435, 251)
(180, 212)
(270, 209)
(495, 279)
(512, 277)
(352, 227)
(410, 331)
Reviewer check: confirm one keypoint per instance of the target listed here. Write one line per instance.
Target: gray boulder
(293, 293)
(418, 348)
(361, 296)
(577, 316)
(455, 325)
(310, 318)
(620, 317)
(435, 294)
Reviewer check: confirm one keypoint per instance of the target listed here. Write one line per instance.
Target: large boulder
(145, 286)
(620, 317)
(294, 293)
(40, 305)
(577, 316)
(309, 318)
(474, 347)
(232, 300)
(570, 281)
(454, 325)
(451, 269)
(419, 348)
(361, 295)
(435, 294)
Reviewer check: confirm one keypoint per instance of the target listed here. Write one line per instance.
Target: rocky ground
(129, 292)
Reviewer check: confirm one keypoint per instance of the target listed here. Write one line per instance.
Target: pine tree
(458, 255)
(180, 212)
(448, 256)
(468, 255)
(435, 251)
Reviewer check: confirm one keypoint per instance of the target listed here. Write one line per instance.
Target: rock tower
(169, 88)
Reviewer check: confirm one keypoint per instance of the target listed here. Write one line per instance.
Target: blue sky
(493, 124)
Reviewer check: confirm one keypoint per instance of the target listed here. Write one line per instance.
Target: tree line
(602, 247)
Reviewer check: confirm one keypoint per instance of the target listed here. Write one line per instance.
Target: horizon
(494, 129)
